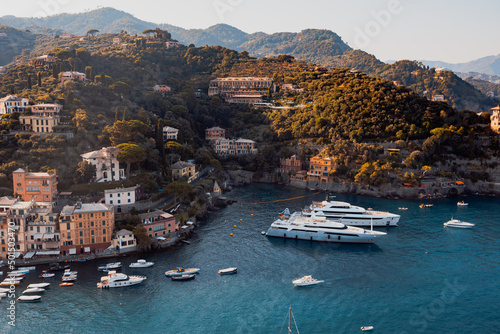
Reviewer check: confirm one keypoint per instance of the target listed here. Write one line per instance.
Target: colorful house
(320, 168)
(35, 186)
(215, 133)
(158, 223)
(182, 168)
(11, 104)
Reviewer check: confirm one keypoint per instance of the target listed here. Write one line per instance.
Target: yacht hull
(321, 236)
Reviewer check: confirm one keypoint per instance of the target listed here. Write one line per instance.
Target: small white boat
(403, 208)
(367, 328)
(181, 271)
(33, 290)
(39, 285)
(458, 223)
(462, 203)
(306, 281)
(29, 298)
(4, 290)
(16, 274)
(26, 268)
(47, 275)
(9, 282)
(109, 266)
(228, 271)
(70, 278)
(141, 264)
(3, 294)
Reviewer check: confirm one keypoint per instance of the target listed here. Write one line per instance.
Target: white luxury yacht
(352, 215)
(117, 280)
(314, 228)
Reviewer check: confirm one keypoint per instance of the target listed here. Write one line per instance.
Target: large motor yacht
(313, 228)
(351, 215)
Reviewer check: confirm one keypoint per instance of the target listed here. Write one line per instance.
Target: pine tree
(39, 77)
(124, 114)
(29, 81)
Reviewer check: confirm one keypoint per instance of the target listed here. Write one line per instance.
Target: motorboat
(66, 284)
(228, 271)
(320, 229)
(462, 203)
(306, 281)
(16, 274)
(109, 266)
(367, 328)
(4, 290)
(118, 280)
(69, 278)
(26, 268)
(9, 282)
(425, 205)
(33, 290)
(33, 298)
(47, 275)
(39, 285)
(141, 264)
(458, 223)
(57, 267)
(181, 271)
(185, 277)
(351, 215)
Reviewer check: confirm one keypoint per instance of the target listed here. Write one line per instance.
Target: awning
(72, 250)
(29, 255)
(48, 253)
(48, 236)
(38, 235)
(87, 249)
(17, 254)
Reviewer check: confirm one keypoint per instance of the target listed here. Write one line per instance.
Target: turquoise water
(420, 278)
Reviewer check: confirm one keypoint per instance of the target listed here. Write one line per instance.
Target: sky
(453, 31)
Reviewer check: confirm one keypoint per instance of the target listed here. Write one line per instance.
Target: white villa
(107, 166)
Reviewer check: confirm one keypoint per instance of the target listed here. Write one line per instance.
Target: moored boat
(228, 271)
(33, 290)
(350, 215)
(47, 275)
(367, 328)
(57, 267)
(141, 264)
(9, 282)
(320, 229)
(69, 278)
(185, 277)
(109, 266)
(29, 298)
(118, 280)
(3, 290)
(66, 284)
(306, 281)
(39, 285)
(462, 203)
(181, 271)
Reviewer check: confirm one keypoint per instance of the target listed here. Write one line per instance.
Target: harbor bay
(419, 278)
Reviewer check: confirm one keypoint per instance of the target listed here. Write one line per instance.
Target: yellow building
(44, 118)
(320, 168)
(495, 119)
(182, 168)
(86, 228)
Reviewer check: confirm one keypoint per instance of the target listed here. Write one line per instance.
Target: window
(81, 241)
(91, 223)
(103, 223)
(104, 231)
(110, 195)
(81, 233)
(79, 215)
(68, 226)
(103, 214)
(92, 215)
(93, 240)
(103, 239)
(91, 233)
(80, 224)
(111, 202)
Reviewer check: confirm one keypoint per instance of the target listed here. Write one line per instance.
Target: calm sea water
(420, 278)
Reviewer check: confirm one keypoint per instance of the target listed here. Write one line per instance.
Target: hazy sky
(448, 30)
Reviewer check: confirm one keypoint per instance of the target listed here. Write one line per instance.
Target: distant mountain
(481, 76)
(13, 42)
(487, 65)
(318, 46)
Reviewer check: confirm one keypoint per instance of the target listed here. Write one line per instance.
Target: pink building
(158, 223)
(71, 75)
(162, 89)
(171, 45)
(291, 164)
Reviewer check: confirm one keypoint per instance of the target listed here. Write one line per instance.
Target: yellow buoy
(231, 234)
(234, 226)
(241, 220)
(251, 214)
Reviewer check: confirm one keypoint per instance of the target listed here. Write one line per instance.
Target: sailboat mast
(290, 320)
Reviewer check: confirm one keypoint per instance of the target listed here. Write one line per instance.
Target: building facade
(44, 118)
(158, 223)
(170, 133)
(106, 163)
(162, 89)
(224, 147)
(120, 197)
(171, 45)
(124, 241)
(42, 235)
(86, 228)
(182, 168)
(35, 186)
(241, 89)
(495, 119)
(45, 62)
(292, 164)
(320, 168)
(215, 133)
(71, 75)
(11, 104)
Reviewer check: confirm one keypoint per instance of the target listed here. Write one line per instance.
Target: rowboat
(66, 284)
(367, 328)
(228, 271)
(29, 298)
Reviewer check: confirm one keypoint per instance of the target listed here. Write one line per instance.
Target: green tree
(29, 81)
(129, 154)
(39, 78)
(92, 32)
(85, 172)
(141, 234)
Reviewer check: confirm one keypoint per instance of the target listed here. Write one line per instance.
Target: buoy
(234, 226)
(241, 220)
(225, 222)
(251, 215)
(231, 234)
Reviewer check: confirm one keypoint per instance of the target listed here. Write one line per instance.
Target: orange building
(41, 187)
(215, 133)
(86, 228)
(241, 89)
(320, 168)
